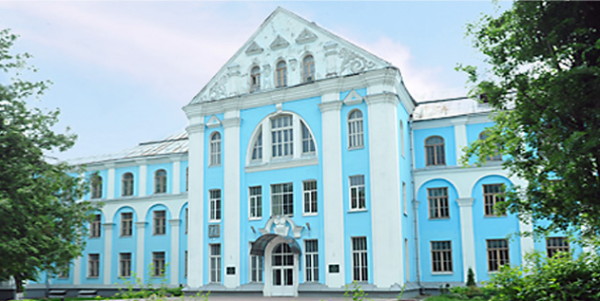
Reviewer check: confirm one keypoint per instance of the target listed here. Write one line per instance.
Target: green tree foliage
(41, 223)
(544, 85)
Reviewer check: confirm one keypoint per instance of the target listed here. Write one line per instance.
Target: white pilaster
(332, 189)
(110, 185)
(176, 176)
(266, 140)
(297, 138)
(107, 264)
(140, 232)
(466, 233)
(460, 136)
(385, 191)
(195, 201)
(231, 198)
(77, 271)
(143, 178)
(174, 262)
(527, 243)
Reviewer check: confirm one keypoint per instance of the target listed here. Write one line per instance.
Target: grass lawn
(441, 298)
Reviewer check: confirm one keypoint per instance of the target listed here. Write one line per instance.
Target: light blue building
(306, 165)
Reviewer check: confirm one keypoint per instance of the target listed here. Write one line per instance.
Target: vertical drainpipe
(414, 204)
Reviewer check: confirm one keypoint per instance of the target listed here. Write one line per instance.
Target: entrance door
(283, 271)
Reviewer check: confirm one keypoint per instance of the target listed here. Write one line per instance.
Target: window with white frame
(187, 220)
(310, 196)
(215, 149)
(308, 143)
(255, 79)
(404, 199)
(282, 199)
(160, 181)
(127, 184)
(95, 226)
(255, 202)
(434, 151)
(555, 245)
(125, 265)
(308, 69)
(215, 204)
(441, 256)
(215, 262)
(185, 264)
(256, 267)
(158, 264)
(438, 202)
(311, 256)
(160, 222)
(126, 223)
(360, 266)
(282, 136)
(492, 195)
(187, 178)
(357, 192)
(96, 183)
(281, 74)
(497, 251)
(355, 129)
(93, 265)
(257, 147)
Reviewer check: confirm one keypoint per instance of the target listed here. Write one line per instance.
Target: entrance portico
(281, 264)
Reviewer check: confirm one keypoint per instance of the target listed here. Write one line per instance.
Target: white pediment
(284, 36)
(213, 122)
(353, 98)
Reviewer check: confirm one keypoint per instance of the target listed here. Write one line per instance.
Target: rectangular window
(282, 136)
(255, 202)
(185, 264)
(556, 244)
(158, 263)
(95, 226)
(360, 267)
(310, 196)
(160, 223)
(93, 265)
(215, 262)
(215, 205)
(187, 219)
(492, 195)
(357, 192)
(282, 199)
(125, 265)
(311, 255)
(438, 202)
(256, 267)
(126, 223)
(404, 199)
(497, 250)
(441, 256)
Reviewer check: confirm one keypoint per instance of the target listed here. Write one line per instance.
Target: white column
(174, 263)
(176, 176)
(527, 243)
(385, 191)
(107, 260)
(460, 136)
(110, 185)
(333, 205)
(195, 201)
(143, 178)
(140, 228)
(77, 271)
(466, 233)
(231, 200)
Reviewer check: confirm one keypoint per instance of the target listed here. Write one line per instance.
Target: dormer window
(281, 75)
(308, 69)
(255, 79)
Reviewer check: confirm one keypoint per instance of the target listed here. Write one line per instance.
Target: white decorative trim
(353, 98)
(254, 49)
(195, 128)
(465, 202)
(176, 181)
(174, 262)
(140, 228)
(330, 106)
(306, 36)
(231, 122)
(107, 260)
(110, 183)
(268, 283)
(213, 122)
(277, 224)
(273, 165)
(465, 205)
(231, 197)
(279, 43)
(143, 178)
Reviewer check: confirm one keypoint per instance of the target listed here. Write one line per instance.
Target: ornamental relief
(353, 62)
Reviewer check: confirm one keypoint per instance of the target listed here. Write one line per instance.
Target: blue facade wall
(421, 135)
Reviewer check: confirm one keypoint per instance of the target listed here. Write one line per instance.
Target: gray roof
(452, 107)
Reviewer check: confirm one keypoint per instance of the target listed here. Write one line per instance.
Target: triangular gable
(287, 37)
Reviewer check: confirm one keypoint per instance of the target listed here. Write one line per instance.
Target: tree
(42, 223)
(544, 86)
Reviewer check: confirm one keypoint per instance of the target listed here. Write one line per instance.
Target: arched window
(127, 184)
(355, 129)
(497, 156)
(215, 149)
(434, 150)
(257, 147)
(281, 75)
(308, 69)
(160, 181)
(308, 144)
(282, 133)
(255, 79)
(96, 182)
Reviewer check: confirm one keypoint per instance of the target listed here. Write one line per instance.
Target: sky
(123, 70)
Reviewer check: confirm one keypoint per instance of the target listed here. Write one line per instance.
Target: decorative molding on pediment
(306, 36)
(253, 49)
(281, 225)
(353, 98)
(213, 122)
(279, 43)
(353, 62)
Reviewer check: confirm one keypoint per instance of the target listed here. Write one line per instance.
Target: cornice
(195, 128)
(465, 202)
(152, 198)
(382, 98)
(231, 122)
(330, 106)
